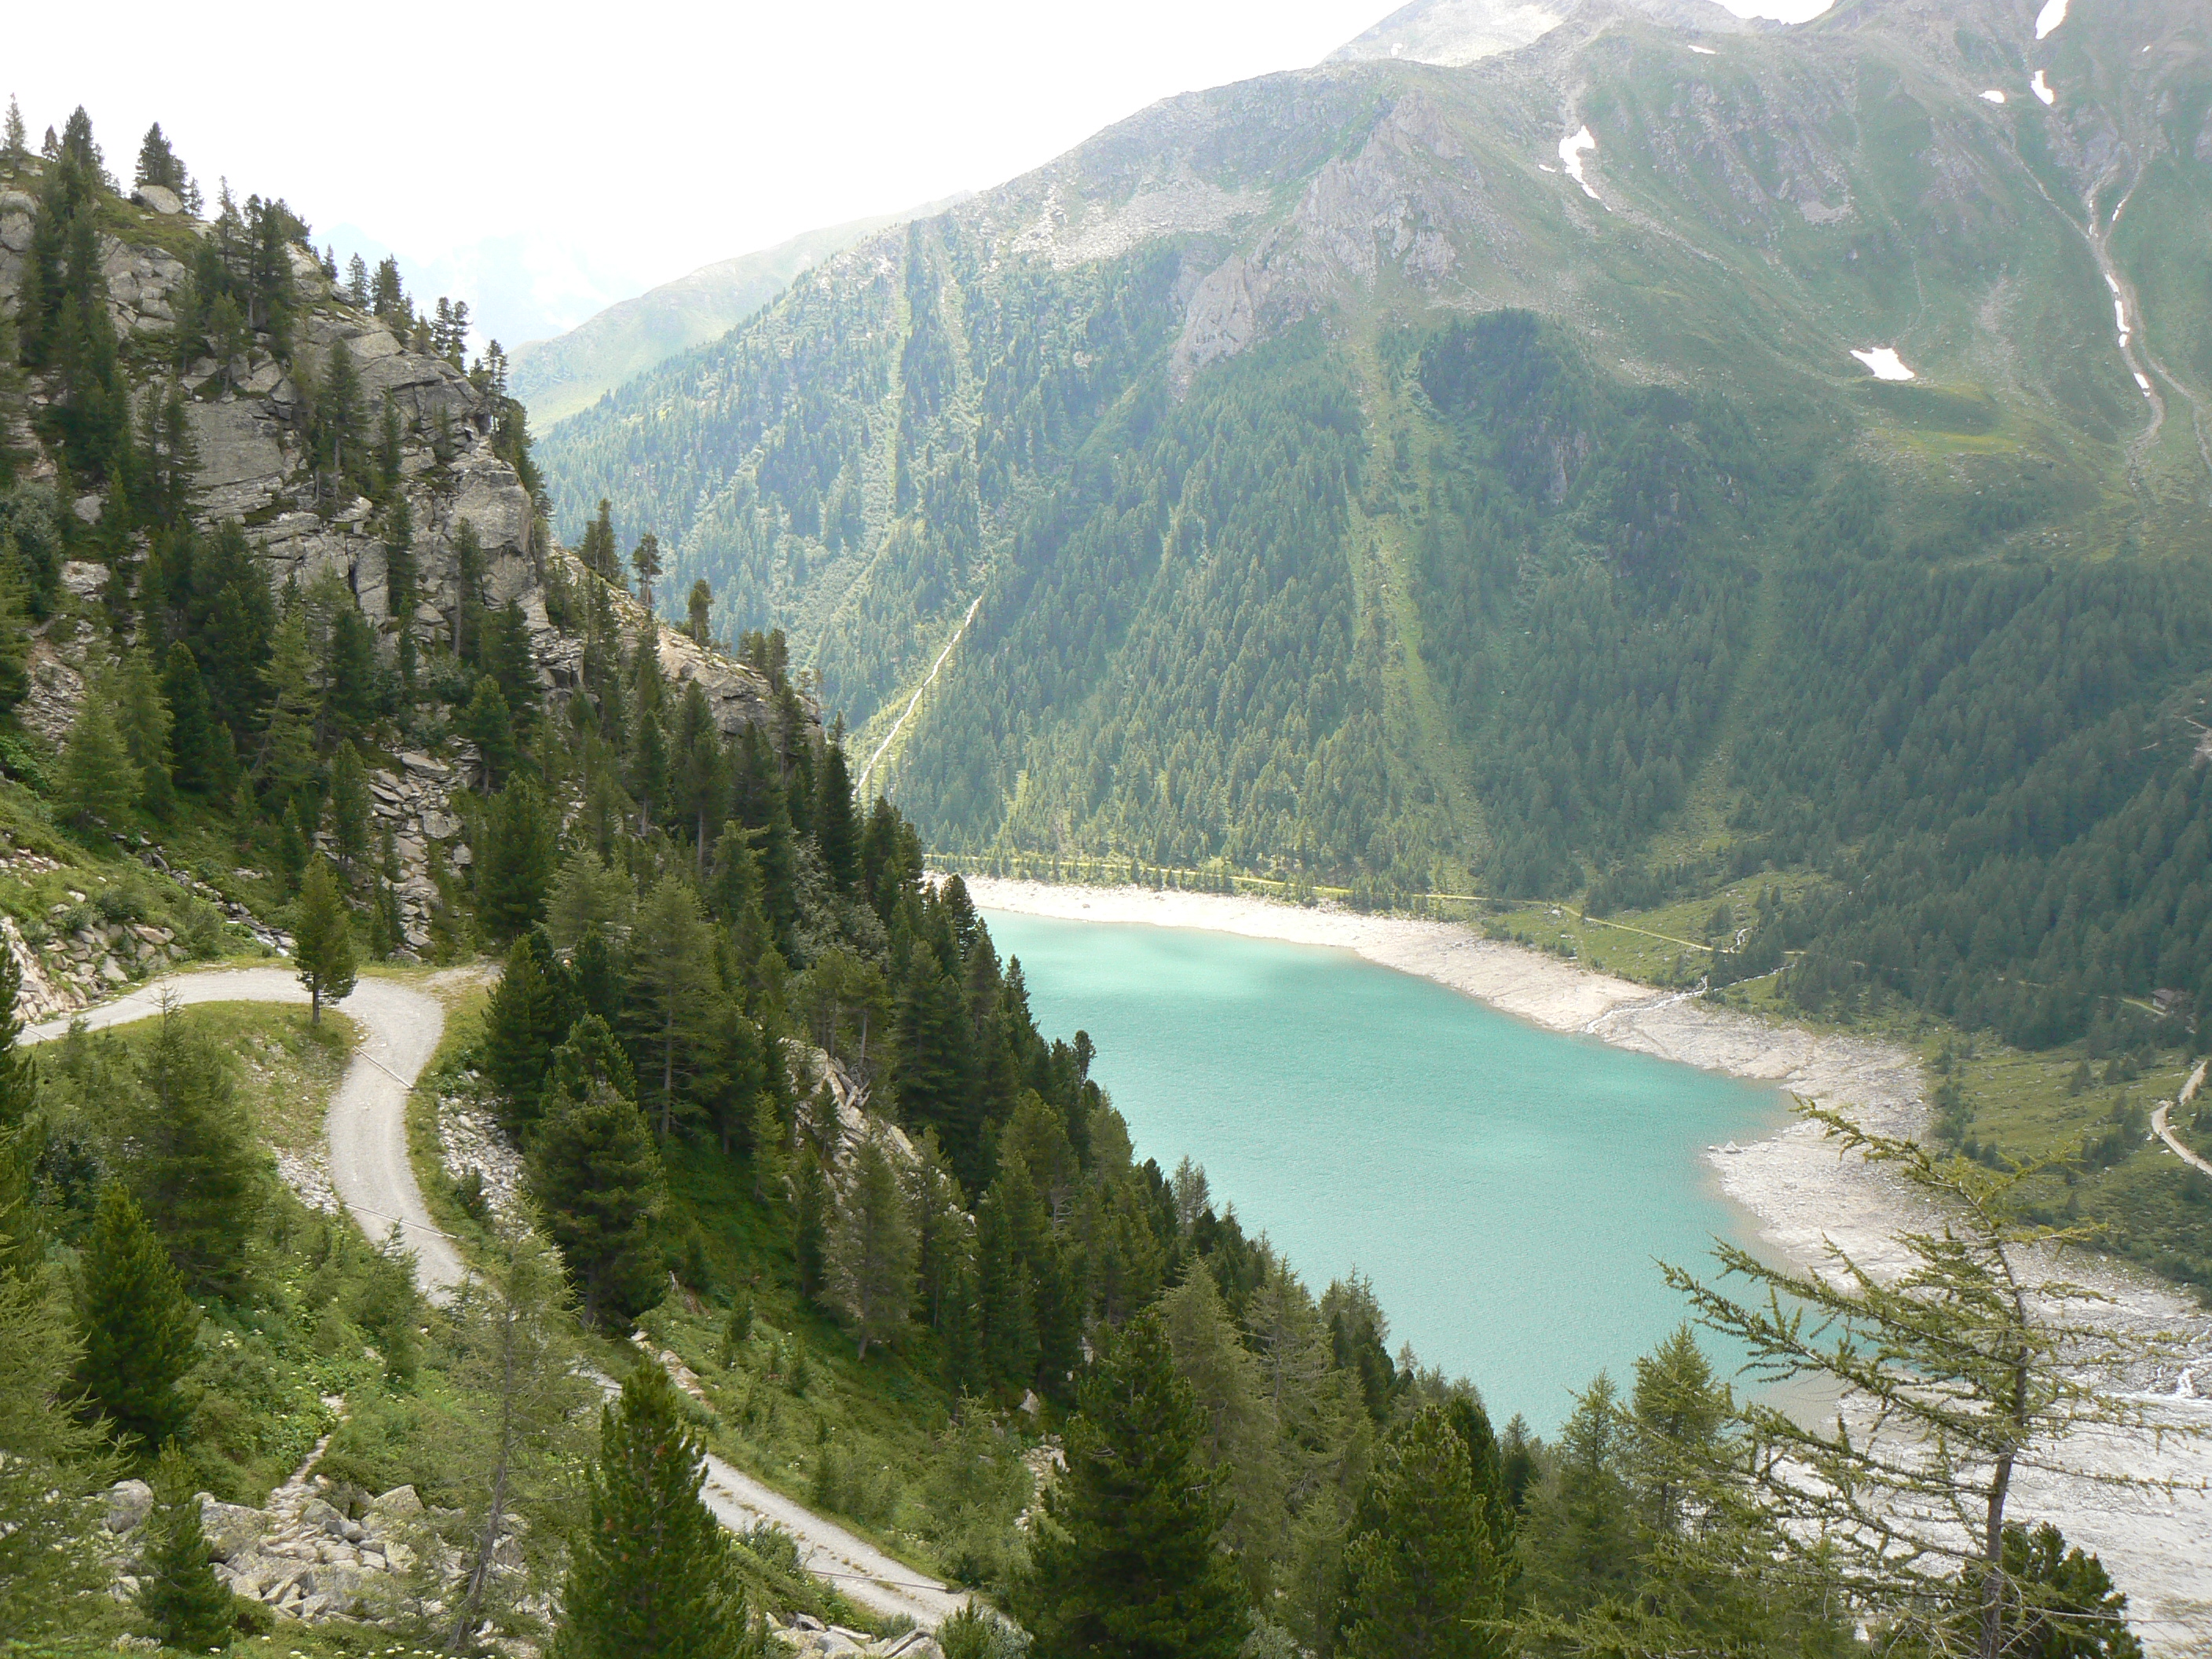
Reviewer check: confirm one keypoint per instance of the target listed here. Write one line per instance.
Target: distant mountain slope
(1497, 474)
(556, 378)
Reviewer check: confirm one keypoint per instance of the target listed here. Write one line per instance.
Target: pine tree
(138, 1326)
(323, 939)
(349, 810)
(645, 559)
(15, 145)
(594, 1169)
(48, 1557)
(23, 1239)
(468, 586)
(673, 982)
(648, 767)
(1126, 1558)
(158, 163)
(350, 689)
(652, 1572)
(488, 724)
(193, 1163)
(99, 784)
(288, 748)
(529, 1012)
(836, 829)
(192, 755)
(1420, 1568)
(514, 862)
(872, 1251)
(811, 1224)
(598, 548)
(702, 789)
(341, 452)
(178, 1594)
(701, 608)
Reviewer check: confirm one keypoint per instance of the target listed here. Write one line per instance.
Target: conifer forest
(517, 1136)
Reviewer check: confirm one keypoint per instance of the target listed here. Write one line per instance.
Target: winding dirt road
(2161, 1120)
(374, 1179)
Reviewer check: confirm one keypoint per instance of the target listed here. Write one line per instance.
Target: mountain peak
(1453, 33)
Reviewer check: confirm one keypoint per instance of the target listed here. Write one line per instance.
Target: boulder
(128, 1502)
(231, 1528)
(158, 197)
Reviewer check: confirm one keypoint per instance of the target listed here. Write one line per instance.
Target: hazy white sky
(602, 148)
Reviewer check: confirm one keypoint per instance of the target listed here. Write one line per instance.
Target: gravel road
(373, 1178)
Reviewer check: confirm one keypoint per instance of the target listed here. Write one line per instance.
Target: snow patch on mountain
(1884, 363)
(1572, 147)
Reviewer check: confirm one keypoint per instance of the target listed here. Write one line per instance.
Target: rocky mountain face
(1908, 238)
(249, 421)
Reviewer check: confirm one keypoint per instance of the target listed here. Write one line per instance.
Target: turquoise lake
(1507, 1189)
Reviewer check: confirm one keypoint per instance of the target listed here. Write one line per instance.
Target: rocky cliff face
(248, 418)
(249, 422)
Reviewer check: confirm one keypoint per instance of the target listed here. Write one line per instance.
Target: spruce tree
(322, 937)
(595, 1171)
(99, 784)
(138, 1326)
(701, 608)
(1126, 1558)
(14, 143)
(186, 1606)
(599, 548)
(652, 1572)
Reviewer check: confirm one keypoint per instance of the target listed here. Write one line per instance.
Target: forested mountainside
(754, 1113)
(1463, 479)
(553, 379)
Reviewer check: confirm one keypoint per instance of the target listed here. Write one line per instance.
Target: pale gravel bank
(1803, 1193)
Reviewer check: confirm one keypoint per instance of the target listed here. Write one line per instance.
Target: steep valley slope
(1664, 442)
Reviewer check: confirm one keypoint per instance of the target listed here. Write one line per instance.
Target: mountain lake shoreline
(1800, 1192)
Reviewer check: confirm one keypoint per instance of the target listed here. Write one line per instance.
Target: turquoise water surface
(1506, 1189)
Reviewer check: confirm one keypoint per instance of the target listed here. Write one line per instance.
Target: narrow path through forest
(370, 1170)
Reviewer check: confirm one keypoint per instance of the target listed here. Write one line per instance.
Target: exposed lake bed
(1787, 1189)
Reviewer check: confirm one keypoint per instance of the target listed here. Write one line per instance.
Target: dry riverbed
(1803, 1196)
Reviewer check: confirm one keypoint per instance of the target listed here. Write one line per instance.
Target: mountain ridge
(554, 377)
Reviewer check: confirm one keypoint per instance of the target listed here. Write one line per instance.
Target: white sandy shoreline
(1800, 1192)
